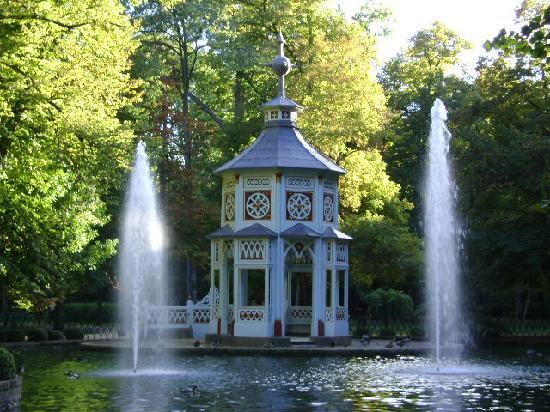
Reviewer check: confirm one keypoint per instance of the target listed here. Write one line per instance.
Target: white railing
(299, 314)
(167, 317)
(201, 314)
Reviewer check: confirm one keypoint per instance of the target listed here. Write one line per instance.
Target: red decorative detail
(219, 326)
(320, 328)
(278, 328)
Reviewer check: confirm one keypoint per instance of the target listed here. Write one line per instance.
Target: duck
(193, 390)
(72, 375)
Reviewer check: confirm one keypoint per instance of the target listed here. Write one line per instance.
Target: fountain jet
(142, 253)
(441, 230)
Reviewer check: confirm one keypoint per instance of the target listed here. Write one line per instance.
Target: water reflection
(256, 383)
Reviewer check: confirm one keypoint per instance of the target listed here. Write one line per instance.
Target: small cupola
(281, 110)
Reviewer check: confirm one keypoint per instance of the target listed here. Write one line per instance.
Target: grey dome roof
(279, 147)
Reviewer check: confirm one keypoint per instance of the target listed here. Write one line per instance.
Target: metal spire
(281, 65)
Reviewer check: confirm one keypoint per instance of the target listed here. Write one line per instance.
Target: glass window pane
(341, 287)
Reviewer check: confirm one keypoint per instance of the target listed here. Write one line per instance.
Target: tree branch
(219, 121)
(42, 18)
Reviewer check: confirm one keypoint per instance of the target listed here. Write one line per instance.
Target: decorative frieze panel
(328, 314)
(299, 206)
(329, 251)
(229, 206)
(230, 185)
(251, 315)
(341, 313)
(252, 250)
(329, 184)
(302, 182)
(228, 249)
(341, 252)
(299, 253)
(254, 182)
(257, 205)
(328, 207)
(216, 254)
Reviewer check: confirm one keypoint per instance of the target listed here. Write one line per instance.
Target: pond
(496, 380)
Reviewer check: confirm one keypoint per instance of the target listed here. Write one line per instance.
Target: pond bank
(299, 347)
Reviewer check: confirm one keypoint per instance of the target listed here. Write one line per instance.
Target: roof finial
(281, 64)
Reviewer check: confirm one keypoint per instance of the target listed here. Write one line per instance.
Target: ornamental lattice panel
(341, 252)
(252, 250)
(328, 207)
(257, 205)
(229, 207)
(299, 206)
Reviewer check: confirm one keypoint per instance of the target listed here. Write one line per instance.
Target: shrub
(89, 312)
(37, 335)
(74, 334)
(386, 333)
(15, 335)
(7, 365)
(418, 332)
(56, 335)
(390, 305)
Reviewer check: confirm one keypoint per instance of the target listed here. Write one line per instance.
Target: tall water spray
(142, 256)
(441, 230)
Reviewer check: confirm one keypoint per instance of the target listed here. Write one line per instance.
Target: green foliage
(386, 333)
(15, 335)
(63, 148)
(37, 335)
(412, 80)
(389, 304)
(502, 152)
(74, 334)
(7, 365)
(55, 335)
(418, 332)
(90, 312)
(533, 39)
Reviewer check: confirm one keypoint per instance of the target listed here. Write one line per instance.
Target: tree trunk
(239, 96)
(57, 317)
(5, 303)
(526, 306)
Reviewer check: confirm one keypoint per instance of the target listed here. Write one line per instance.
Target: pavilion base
(331, 340)
(247, 341)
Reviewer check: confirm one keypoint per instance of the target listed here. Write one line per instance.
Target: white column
(224, 293)
(317, 281)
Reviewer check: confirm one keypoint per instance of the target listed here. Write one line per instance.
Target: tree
(533, 39)
(502, 156)
(63, 148)
(412, 80)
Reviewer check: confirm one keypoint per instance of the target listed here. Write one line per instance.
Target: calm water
(502, 380)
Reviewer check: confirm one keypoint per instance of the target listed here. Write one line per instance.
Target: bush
(418, 332)
(89, 312)
(37, 335)
(7, 365)
(56, 335)
(74, 334)
(386, 333)
(15, 335)
(390, 305)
